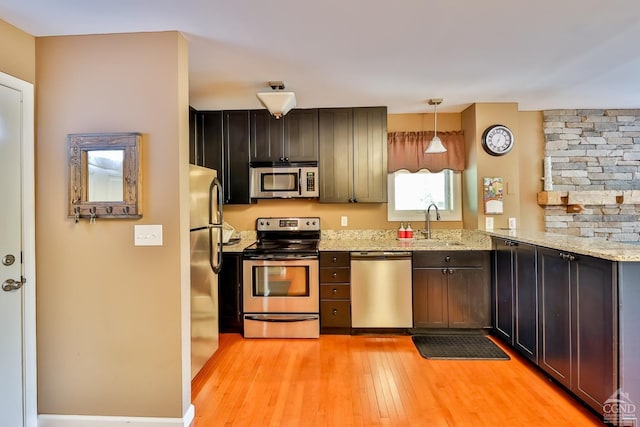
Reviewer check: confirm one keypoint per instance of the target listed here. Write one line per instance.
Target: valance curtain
(406, 151)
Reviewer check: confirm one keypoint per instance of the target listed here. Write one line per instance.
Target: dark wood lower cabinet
(515, 300)
(335, 293)
(578, 324)
(230, 293)
(451, 289)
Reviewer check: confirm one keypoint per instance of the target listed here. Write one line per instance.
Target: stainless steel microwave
(284, 182)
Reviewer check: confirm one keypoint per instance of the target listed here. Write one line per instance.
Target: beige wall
(110, 315)
(17, 52)
(531, 142)
(520, 169)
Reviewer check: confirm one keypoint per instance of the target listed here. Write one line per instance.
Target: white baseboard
(49, 420)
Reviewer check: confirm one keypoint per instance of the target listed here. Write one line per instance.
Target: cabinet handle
(447, 259)
(567, 257)
(334, 291)
(335, 311)
(334, 259)
(444, 271)
(286, 159)
(334, 274)
(450, 271)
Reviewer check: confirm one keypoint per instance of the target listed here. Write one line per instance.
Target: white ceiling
(541, 54)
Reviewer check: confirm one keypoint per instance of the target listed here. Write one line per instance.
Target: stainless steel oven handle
(278, 258)
(281, 319)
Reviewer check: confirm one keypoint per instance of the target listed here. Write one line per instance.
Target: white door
(16, 370)
(11, 295)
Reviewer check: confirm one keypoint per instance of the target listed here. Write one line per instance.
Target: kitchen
(133, 329)
(383, 239)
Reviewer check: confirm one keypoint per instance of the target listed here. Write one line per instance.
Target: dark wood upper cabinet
(370, 154)
(336, 155)
(194, 139)
(353, 155)
(236, 157)
(211, 134)
(293, 138)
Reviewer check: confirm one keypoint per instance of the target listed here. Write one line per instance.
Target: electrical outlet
(488, 223)
(147, 235)
(344, 221)
(512, 223)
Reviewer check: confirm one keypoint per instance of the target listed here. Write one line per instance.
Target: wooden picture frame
(84, 202)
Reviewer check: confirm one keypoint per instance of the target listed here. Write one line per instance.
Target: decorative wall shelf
(576, 200)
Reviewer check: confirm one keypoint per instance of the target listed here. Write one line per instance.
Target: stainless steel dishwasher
(381, 290)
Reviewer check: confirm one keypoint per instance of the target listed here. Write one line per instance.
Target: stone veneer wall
(594, 150)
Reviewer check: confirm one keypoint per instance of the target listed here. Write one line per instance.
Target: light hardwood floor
(340, 380)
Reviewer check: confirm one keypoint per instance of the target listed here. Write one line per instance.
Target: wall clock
(497, 140)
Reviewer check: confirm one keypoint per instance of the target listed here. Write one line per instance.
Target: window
(411, 193)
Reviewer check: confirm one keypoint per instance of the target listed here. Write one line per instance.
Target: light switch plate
(344, 221)
(147, 235)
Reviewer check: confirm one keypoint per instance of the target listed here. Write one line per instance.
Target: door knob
(13, 285)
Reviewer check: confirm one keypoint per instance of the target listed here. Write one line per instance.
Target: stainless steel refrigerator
(206, 260)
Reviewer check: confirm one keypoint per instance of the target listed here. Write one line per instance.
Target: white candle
(548, 179)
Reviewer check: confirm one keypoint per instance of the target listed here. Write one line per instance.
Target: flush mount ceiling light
(277, 102)
(435, 145)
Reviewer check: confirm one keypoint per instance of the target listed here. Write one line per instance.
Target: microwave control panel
(311, 181)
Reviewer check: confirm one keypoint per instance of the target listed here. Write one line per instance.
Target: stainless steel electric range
(280, 279)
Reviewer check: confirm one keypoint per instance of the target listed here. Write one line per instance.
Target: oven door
(281, 286)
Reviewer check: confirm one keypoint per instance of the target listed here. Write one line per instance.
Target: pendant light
(277, 102)
(435, 145)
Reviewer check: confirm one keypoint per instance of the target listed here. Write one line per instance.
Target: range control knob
(261, 222)
(268, 223)
(308, 223)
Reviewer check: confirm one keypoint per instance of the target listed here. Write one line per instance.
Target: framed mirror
(104, 175)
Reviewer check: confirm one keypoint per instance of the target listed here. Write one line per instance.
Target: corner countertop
(591, 246)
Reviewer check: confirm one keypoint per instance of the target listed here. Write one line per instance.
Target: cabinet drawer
(335, 314)
(333, 275)
(334, 259)
(450, 259)
(335, 291)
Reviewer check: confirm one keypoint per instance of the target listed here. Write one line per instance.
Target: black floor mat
(458, 347)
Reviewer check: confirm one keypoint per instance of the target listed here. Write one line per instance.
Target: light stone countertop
(458, 240)
(385, 240)
(592, 246)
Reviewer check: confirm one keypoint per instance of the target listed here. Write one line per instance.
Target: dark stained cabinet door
(301, 135)
(267, 135)
(230, 293)
(194, 139)
(468, 298)
(211, 135)
(525, 320)
(336, 154)
(205, 139)
(503, 289)
(430, 301)
(370, 154)
(236, 159)
(594, 316)
(555, 315)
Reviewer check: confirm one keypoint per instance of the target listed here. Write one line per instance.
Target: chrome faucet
(427, 220)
